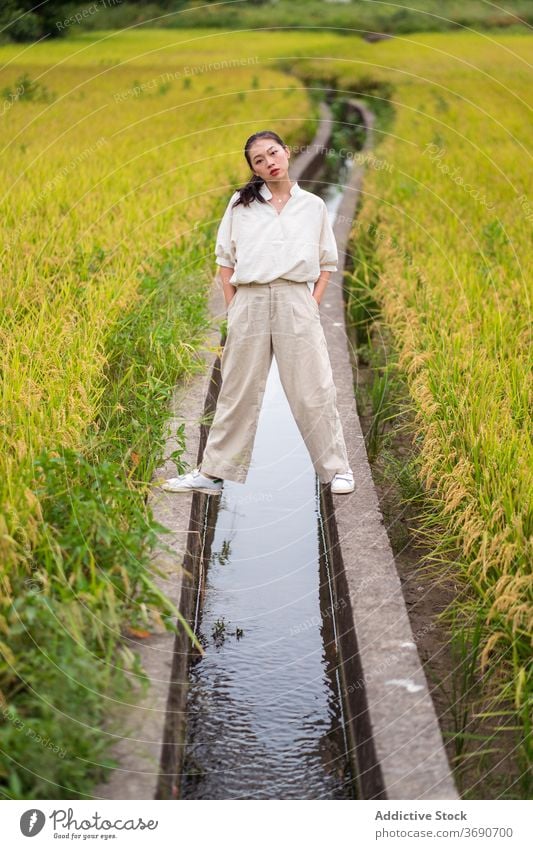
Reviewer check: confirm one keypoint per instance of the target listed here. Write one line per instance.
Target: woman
(273, 239)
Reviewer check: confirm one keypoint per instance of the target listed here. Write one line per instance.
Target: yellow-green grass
(115, 173)
(102, 178)
(446, 220)
(103, 169)
(456, 288)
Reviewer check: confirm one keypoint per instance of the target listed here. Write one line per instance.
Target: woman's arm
(320, 285)
(225, 254)
(327, 253)
(228, 288)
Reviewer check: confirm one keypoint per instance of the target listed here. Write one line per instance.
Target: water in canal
(264, 715)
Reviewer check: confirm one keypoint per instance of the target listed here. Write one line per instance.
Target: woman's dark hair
(250, 191)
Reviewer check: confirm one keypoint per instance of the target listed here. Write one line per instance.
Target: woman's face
(269, 159)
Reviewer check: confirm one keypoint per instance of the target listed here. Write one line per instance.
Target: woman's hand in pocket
(229, 293)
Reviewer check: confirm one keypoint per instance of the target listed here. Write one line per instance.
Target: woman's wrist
(320, 285)
(229, 293)
(228, 288)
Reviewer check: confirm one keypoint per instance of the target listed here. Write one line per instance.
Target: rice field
(107, 222)
(444, 234)
(119, 150)
(98, 182)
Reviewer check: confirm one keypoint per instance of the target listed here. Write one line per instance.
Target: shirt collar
(267, 194)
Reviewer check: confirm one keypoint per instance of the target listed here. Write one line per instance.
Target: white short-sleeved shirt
(262, 244)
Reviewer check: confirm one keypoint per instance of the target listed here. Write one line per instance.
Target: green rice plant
(26, 89)
(465, 651)
(379, 393)
(51, 713)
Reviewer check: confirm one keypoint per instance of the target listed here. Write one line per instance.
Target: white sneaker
(193, 481)
(343, 483)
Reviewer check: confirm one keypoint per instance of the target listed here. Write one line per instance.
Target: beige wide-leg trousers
(280, 318)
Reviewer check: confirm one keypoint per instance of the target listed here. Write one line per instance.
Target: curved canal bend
(264, 712)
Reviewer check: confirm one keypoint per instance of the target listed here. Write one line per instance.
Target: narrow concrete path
(396, 747)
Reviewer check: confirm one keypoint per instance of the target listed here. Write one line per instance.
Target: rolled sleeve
(225, 252)
(328, 253)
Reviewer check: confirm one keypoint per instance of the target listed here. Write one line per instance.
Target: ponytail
(251, 191)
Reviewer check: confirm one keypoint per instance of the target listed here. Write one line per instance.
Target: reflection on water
(264, 715)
